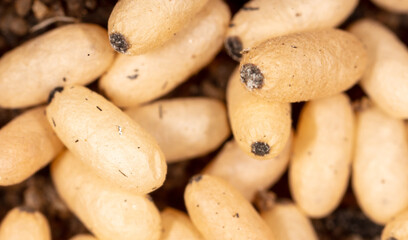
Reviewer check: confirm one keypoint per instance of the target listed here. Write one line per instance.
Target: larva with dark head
(137, 26)
(133, 80)
(304, 66)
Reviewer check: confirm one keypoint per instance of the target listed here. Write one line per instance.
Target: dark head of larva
(52, 93)
(26, 209)
(195, 178)
(260, 148)
(233, 45)
(251, 76)
(118, 42)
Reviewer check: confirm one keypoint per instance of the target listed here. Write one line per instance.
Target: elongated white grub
(106, 139)
(319, 170)
(133, 80)
(380, 164)
(304, 66)
(107, 211)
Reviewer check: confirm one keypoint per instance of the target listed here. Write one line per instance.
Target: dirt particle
(86, 99)
(293, 46)
(233, 45)
(195, 178)
(122, 173)
(88, 54)
(247, 8)
(236, 215)
(298, 14)
(100, 109)
(133, 77)
(52, 93)
(53, 122)
(118, 42)
(76, 141)
(260, 148)
(120, 130)
(198, 205)
(64, 79)
(251, 76)
(231, 25)
(245, 51)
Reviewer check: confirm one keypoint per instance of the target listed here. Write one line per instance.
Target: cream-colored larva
(72, 54)
(319, 170)
(261, 128)
(288, 222)
(380, 165)
(177, 225)
(27, 144)
(184, 128)
(133, 80)
(220, 212)
(259, 20)
(137, 26)
(386, 77)
(106, 139)
(107, 211)
(304, 66)
(246, 174)
(22, 223)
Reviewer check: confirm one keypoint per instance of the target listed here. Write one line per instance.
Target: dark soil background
(21, 20)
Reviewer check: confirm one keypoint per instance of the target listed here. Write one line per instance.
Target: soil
(21, 20)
